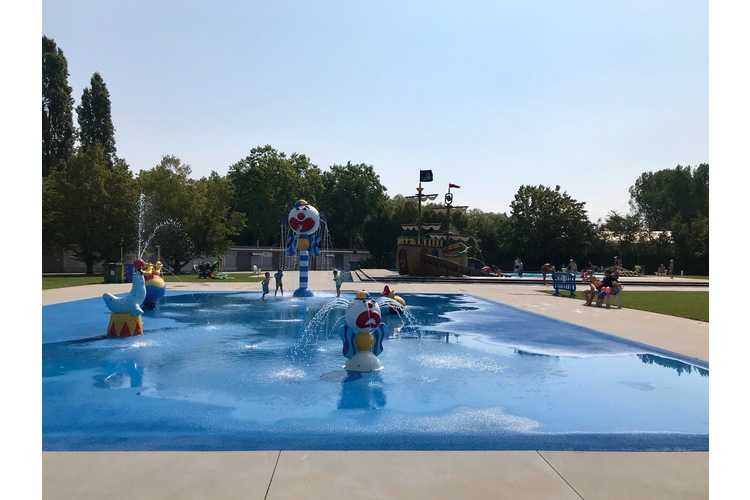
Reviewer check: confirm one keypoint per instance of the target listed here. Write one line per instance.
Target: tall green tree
(676, 200)
(95, 118)
(700, 189)
(679, 194)
(89, 208)
(267, 183)
(58, 131)
(214, 224)
(350, 193)
(621, 235)
(627, 227)
(491, 233)
(382, 227)
(187, 218)
(548, 225)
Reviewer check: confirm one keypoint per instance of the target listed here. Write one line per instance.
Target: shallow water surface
(228, 371)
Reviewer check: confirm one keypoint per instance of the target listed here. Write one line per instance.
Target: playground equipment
(439, 252)
(156, 288)
(363, 334)
(125, 320)
(396, 303)
(304, 220)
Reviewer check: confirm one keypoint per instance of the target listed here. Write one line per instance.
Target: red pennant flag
(453, 186)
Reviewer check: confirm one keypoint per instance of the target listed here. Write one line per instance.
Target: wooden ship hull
(432, 258)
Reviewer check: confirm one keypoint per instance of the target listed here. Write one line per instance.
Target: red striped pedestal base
(124, 325)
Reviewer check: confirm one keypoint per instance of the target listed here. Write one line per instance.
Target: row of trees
(59, 134)
(90, 202)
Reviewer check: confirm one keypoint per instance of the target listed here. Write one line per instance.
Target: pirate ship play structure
(432, 249)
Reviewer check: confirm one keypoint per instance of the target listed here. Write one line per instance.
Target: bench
(565, 282)
(616, 296)
(346, 276)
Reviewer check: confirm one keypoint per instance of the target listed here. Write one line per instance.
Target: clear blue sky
(488, 95)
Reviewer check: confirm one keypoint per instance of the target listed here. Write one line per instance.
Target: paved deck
(405, 474)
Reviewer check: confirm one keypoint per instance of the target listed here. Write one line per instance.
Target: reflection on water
(120, 375)
(679, 366)
(362, 390)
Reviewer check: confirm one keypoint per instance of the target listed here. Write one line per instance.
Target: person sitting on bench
(594, 286)
(605, 288)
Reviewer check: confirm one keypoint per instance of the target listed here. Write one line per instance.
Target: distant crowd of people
(572, 267)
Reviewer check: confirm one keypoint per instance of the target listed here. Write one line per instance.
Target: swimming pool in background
(538, 276)
(228, 371)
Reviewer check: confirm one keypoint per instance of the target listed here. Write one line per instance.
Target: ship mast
(447, 208)
(424, 176)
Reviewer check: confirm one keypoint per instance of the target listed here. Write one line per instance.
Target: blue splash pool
(228, 371)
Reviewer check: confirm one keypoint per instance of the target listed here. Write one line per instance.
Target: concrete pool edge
(382, 474)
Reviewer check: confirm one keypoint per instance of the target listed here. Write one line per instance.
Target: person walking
(278, 276)
(671, 268)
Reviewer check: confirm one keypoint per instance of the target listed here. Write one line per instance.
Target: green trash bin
(129, 269)
(112, 272)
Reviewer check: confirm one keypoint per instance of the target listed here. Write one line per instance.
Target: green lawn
(691, 305)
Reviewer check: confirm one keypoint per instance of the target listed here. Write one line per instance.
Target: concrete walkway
(403, 474)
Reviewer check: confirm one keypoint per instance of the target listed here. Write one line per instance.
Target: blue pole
(303, 291)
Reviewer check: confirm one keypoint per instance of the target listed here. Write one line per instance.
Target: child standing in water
(265, 282)
(337, 280)
(279, 286)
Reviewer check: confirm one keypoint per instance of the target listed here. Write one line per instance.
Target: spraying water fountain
(148, 286)
(148, 227)
(360, 326)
